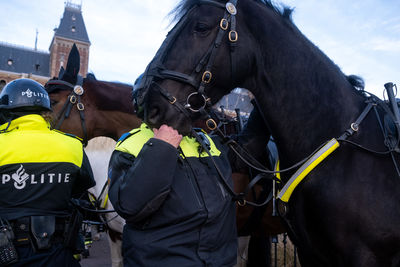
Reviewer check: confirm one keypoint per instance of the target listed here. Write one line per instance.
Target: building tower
(71, 30)
(23, 62)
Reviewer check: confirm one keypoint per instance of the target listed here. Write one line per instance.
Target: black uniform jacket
(177, 211)
(40, 169)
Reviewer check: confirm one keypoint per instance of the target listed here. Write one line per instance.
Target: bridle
(74, 98)
(156, 69)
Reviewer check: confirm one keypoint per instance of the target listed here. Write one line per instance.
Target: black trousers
(56, 256)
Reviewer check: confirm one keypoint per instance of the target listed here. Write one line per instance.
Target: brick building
(23, 62)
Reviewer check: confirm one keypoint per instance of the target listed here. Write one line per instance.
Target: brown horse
(108, 111)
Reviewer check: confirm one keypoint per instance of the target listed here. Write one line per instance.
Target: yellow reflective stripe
(105, 201)
(39, 147)
(278, 174)
(134, 143)
(92, 198)
(188, 145)
(190, 148)
(305, 169)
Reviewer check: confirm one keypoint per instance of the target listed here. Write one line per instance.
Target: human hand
(168, 134)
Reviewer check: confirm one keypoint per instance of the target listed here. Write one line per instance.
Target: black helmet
(24, 94)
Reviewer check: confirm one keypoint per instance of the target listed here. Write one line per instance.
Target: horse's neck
(113, 112)
(114, 123)
(305, 98)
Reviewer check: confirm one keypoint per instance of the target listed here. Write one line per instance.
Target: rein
(307, 164)
(73, 98)
(240, 198)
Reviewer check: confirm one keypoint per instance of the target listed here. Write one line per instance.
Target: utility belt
(39, 232)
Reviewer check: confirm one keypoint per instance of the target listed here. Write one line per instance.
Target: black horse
(346, 212)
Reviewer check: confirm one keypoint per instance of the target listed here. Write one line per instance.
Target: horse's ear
(61, 73)
(73, 65)
(90, 76)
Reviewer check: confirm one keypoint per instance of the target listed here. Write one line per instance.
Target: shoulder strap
(127, 135)
(133, 141)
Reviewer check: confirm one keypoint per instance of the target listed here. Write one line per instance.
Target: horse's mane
(185, 5)
(358, 84)
(282, 10)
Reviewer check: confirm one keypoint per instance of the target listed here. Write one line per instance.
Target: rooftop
(20, 59)
(72, 25)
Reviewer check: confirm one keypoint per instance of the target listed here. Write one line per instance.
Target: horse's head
(87, 107)
(200, 61)
(65, 92)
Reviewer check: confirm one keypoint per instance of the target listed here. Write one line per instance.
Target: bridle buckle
(224, 24)
(80, 106)
(72, 99)
(173, 100)
(233, 36)
(206, 78)
(211, 124)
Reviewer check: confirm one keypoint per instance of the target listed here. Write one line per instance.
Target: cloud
(386, 45)
(126, 39)
(396, 28)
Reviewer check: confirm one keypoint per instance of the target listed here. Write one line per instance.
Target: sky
(361, 36)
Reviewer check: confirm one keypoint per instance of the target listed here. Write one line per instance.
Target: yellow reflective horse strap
(94, 200)
(276, 168)
(103, 206)
(306, 168)
(104, 190)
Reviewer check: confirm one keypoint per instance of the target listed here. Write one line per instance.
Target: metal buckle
(80, 106)
(354, 126)
(231, 8)
(72, 99)
(242, 202)
(173, 100)
(211, 124)
(224, 24)
(206, 78)
(233, 36)
(78, 90)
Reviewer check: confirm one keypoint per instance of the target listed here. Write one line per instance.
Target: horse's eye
(201, 28)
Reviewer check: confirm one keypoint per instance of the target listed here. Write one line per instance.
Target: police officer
(40, 170)
(167, 189)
